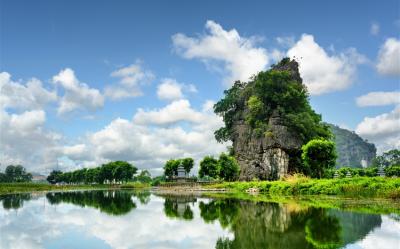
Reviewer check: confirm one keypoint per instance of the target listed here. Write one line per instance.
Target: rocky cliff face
(266, 156)
(352, 150)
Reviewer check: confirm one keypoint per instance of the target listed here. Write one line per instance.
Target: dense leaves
(319, 155)
(225, 168)
(269, 92)
(172, 165)
(15, 173)
(113, 172)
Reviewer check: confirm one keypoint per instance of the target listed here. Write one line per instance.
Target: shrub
(392, 170)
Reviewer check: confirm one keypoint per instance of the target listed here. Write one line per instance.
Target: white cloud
(389, 57)
(148, 142)
(379, 99)
(178, 110)
(78, 95)
(239, 55)
(374, 29)
(321, 72)
(19, 96)
(131, 78)
(24, 140)
(170, 89)
(383, 130)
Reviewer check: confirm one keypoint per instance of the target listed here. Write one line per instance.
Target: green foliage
(118, 171)
(228, 167)
(389, 158)
(15, 173)
(270, 91)
(54, 176)
(144, 177)
(350, 187)
(171, 167)
(187, 164)
(392, 170)
(319, 155)
(208, 167)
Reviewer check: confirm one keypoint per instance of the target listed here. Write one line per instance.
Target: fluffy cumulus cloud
(77, 95)
(152, 137)
(131, 78)
(389, 57)
(170, 89)
(24, 140)
(20, 96)
(178, 110)
(379, 99)
(240, 56)
(383, 130)
(321, 72)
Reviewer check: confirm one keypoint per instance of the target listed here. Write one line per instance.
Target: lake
(131, 219)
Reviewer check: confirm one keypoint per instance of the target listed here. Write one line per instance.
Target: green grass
(376, 187)
(7, 188)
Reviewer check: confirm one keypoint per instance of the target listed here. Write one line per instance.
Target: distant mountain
(353, 151)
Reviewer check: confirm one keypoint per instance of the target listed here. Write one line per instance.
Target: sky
(86, 82)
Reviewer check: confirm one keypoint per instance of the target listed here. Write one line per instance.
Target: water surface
(128, 219)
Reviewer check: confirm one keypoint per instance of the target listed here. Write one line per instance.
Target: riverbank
(357, 187)
(11, 188)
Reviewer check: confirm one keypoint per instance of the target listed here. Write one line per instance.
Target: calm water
(125, 219)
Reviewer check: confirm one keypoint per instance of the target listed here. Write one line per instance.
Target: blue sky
(85, 109)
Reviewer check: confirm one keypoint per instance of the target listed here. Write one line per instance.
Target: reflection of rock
(110, 202)
(356, 226)
(273, 225)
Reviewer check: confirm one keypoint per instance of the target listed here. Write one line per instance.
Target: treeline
(15, 173)
(113, 172)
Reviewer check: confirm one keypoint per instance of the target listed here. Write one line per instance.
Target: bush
(392, 170)
(319, 155)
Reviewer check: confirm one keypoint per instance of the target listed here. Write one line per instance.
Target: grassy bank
(7, 188)
(376, 187)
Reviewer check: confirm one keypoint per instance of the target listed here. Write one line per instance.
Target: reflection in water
(182, 222)
(179, 207)
(110, 202)
(273, 225)
(14, 201)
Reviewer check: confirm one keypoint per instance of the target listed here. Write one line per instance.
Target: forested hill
(352, 149)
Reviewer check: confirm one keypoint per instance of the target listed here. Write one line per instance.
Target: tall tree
(319, 155)
(209, 167)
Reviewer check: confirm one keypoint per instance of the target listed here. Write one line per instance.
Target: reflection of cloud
(37, 222)
(385, 237)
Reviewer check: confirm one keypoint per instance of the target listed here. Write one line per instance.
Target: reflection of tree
(323, 231)
(143, 196)
(179, 207)
(14, 201)
(110, 202)
(224, 210)
(273, 225)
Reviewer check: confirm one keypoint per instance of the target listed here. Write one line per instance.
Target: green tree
(17, 174)
(319, 155)
(171, 167)
(187, 164)
(272, 91)
(122, 171)
(144, 177)
(228, 167)
(209, 167)
(54, 177)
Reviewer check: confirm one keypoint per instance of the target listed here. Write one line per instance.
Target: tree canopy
(319, 155)
(15, 173)
(270, 91)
